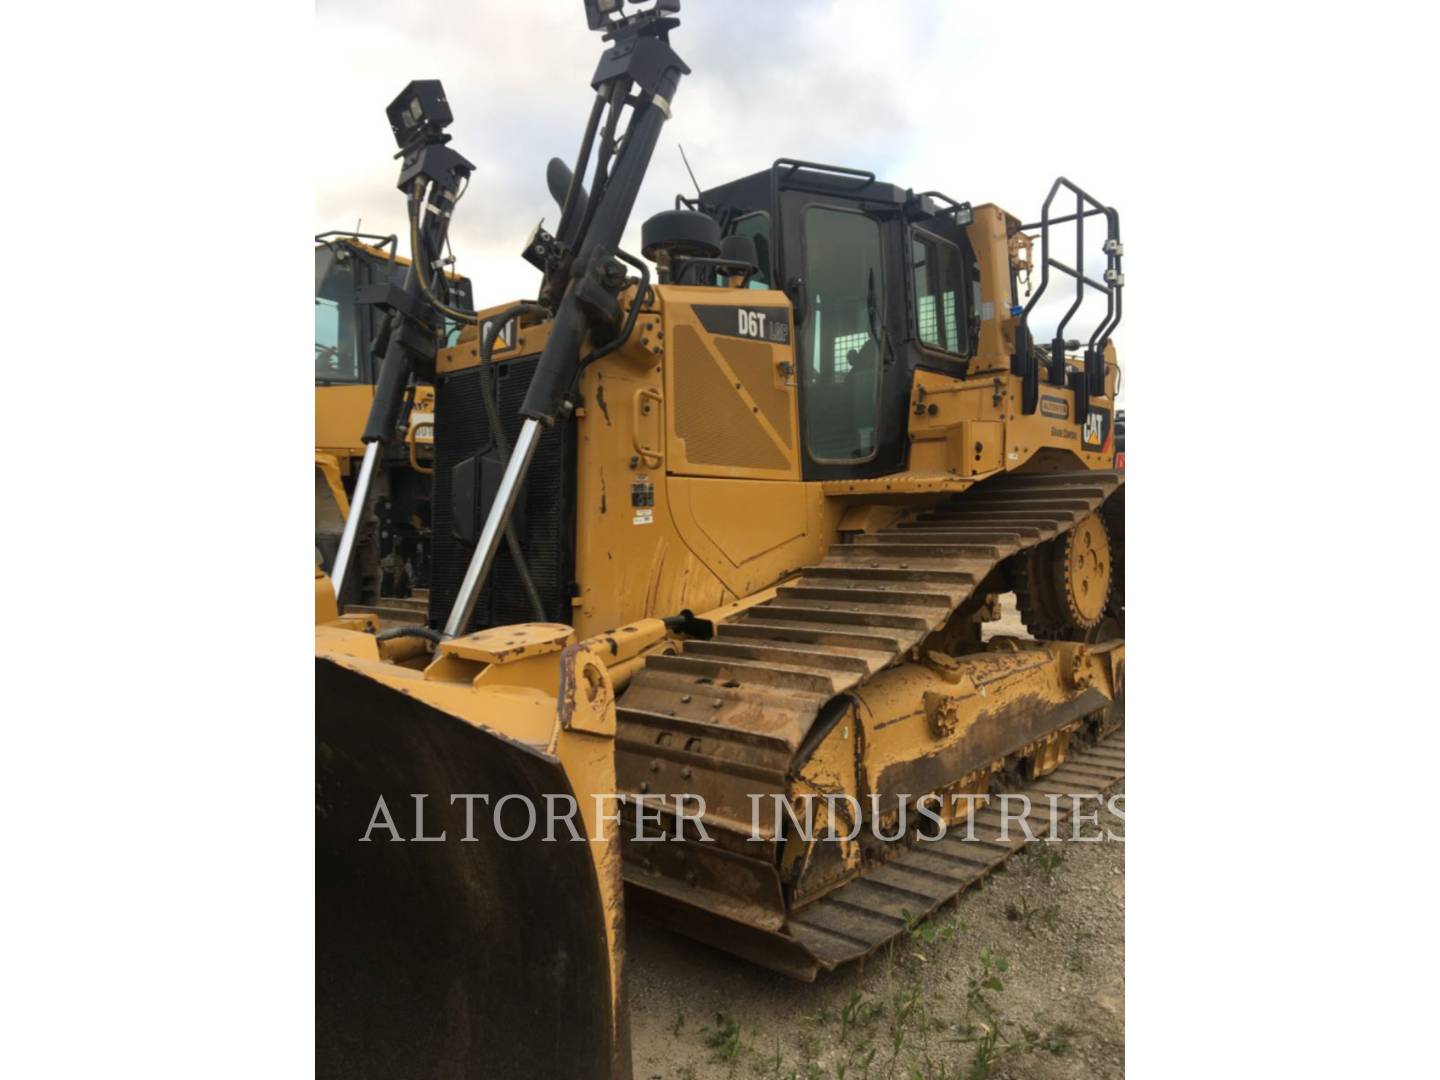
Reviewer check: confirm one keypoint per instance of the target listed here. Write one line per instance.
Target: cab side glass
(939, 286)
(757, 227)
(337, 354)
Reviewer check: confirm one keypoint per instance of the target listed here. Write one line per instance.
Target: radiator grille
(548, 538)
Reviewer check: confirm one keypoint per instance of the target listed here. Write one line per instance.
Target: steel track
(726, 718)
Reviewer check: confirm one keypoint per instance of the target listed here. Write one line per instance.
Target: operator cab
(883, 282)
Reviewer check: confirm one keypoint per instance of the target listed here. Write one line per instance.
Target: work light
(420, 112)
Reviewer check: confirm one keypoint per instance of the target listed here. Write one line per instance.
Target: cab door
(840, 272)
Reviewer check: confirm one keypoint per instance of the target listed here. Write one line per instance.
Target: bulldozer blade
(470, 956)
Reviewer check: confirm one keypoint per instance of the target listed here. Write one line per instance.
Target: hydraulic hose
(420, 258)
(567, 224)
(432, 636)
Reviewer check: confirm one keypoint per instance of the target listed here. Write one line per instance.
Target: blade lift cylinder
(643, 58)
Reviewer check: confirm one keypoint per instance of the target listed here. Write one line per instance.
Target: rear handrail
(1023, 363)
(384, 241)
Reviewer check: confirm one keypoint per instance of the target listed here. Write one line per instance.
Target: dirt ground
(1023, 976)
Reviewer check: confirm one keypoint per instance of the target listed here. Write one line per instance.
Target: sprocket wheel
(1081, 565)
(1062, 585)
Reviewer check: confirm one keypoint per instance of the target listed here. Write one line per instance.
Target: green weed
(724, 1037)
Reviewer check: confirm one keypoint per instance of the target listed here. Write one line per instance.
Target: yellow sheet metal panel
(505, 644)
(340, 415)
(326, 610)
(335, 641)
(977, 447)
(630, 563)
(466, 353)
(989, 231)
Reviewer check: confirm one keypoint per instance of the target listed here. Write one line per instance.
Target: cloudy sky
(955, 96)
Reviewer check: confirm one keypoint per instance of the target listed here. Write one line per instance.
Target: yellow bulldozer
(714, 543)
(353, 273)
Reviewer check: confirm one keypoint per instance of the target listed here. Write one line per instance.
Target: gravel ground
(1023, 976)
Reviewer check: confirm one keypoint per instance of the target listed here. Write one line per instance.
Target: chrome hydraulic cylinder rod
(352, 519)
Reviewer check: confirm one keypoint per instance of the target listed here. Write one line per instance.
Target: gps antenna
(689, 170)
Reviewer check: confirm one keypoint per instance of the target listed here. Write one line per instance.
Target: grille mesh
(754, 364)
(717, 426)
(548, 538)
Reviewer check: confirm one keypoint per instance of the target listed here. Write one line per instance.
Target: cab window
(757, 227)
(939, 289)
(337, 351)
(840, 359)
